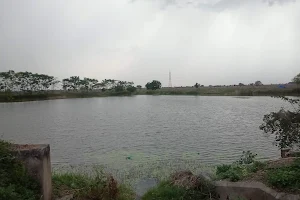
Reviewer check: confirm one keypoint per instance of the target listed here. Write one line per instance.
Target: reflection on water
(157, 131)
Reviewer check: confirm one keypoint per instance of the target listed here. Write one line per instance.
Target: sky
(212, 42)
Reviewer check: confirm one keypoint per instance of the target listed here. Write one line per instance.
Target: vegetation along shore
(27, 86)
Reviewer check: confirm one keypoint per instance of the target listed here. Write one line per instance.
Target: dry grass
(97, 187)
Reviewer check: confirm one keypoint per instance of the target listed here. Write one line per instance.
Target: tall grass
(98, 186)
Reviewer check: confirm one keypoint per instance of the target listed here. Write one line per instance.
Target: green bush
(241, 168)
(232, 172)
(247, 158)
(166, 191)
(15, 183)
(285, 177)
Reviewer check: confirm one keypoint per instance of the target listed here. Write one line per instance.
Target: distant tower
(170, 79)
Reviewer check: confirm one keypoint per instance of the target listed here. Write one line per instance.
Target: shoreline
(205, 91)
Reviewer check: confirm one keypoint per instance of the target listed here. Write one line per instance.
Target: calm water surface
(143, 129)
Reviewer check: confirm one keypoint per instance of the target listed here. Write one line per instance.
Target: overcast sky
(205, 41)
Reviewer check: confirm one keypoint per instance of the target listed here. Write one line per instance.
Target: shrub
(131, 89)
(247, 158)
(166, 191)
(232, 172)
(241, 168)
(285, 177)
(284, 124)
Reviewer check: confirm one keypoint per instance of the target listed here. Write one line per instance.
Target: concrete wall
(249, 191)
(36, 159)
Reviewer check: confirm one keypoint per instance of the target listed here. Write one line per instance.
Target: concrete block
(249, 191)
(36, 159)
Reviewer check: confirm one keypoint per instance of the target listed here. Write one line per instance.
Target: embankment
(266, 90)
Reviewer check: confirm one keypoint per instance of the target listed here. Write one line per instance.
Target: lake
(144, 131)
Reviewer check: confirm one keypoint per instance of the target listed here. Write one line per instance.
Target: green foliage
(241, 168)
(99, 186)
(25, 81)
(231, 172)
(258, 83)
(15, 183)
(154, 85)
(75, 83)
(166, 191)
(247, 158)
(197, 85)
(296, 79)
(284, 124)
(131, 89)
(285, 177)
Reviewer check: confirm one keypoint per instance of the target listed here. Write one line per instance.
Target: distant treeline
(28, 82)
(27, 86)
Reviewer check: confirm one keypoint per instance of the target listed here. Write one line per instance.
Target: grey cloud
(137, 40)
(279, 2)
(216, 5)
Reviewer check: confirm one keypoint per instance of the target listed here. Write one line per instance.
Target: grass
(17, 97)
(236, 172)
(283, 178)
(266, 90)
(240, 169)
(15, 183)
(287, 177)
(166, 191)
(83, 186)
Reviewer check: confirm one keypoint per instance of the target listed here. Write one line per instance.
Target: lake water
(144, 131)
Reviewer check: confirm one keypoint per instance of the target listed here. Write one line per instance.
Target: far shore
(265, 90)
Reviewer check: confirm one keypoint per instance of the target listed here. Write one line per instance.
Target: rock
(188, 180)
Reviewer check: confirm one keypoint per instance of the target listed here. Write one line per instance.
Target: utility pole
(170, 79)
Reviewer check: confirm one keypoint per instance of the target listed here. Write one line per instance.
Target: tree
(197, 85)
(284, 124)
(258, 83)
(154, 85)
(296, 79)
(241, 84)
(139, 87)
(131, 89)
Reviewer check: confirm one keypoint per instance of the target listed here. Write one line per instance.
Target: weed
(84, 186)
(232, 172)
(241, 168)
(257, 165)
(285, 177)
(166, 191)
(247, 158)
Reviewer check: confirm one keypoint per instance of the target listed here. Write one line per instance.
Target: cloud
(279, 2)
(206, 41)
(215, 5)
